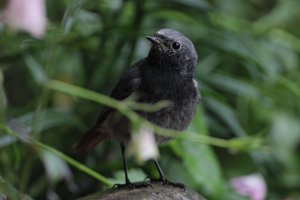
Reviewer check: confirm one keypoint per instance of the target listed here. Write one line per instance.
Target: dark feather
(90, 139)
(128, 84)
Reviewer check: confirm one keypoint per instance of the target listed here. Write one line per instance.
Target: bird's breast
(182, 99)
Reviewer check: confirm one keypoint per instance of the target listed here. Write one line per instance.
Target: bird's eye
(175, 45)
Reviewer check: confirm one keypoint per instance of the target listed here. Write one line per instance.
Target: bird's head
(172, 50)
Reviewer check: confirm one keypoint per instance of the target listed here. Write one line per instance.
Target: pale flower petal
(253, 186)
(27, 15)
(143, 145)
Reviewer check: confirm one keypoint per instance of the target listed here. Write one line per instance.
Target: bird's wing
(127, 85)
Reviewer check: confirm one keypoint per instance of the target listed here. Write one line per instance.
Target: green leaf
(227, 114)
(51, 118)
(284, 138)
(234, 85)
(36, 69)
(6, 140)
(3, 99)
(200, 160)
(136, 175)
(7, 191)
(56, 168)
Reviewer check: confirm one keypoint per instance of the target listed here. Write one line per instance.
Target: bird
(167, 73)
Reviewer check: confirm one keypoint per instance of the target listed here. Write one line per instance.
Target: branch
(235, 144)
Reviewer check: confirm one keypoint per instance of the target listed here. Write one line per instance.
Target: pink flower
(253, 186)
(27, 15)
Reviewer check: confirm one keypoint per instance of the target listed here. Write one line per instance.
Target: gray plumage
(166, 74)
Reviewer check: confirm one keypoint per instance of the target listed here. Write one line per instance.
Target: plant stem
(66, 158)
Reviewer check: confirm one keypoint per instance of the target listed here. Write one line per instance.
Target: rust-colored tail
(90, 139)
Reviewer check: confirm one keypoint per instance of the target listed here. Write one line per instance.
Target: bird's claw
(132, 185)
(166, 182)
(180, 185)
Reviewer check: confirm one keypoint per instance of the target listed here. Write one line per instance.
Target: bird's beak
(153, 40)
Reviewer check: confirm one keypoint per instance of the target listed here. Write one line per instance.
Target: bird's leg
(162, 178)
(127, 181)
(128, 184)
(161, 174)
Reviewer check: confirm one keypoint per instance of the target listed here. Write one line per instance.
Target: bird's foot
(180, 185)
(130, 185)
(166, 182)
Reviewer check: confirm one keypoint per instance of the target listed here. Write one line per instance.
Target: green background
(248, 70)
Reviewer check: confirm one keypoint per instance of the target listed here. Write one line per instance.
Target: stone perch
(156, 192)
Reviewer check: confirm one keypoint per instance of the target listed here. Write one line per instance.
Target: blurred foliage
(248, 71)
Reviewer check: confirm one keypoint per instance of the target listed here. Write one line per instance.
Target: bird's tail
(90, 139)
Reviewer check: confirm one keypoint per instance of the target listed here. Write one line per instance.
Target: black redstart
(166, 74)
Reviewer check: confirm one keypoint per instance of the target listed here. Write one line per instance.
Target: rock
(156, 192)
